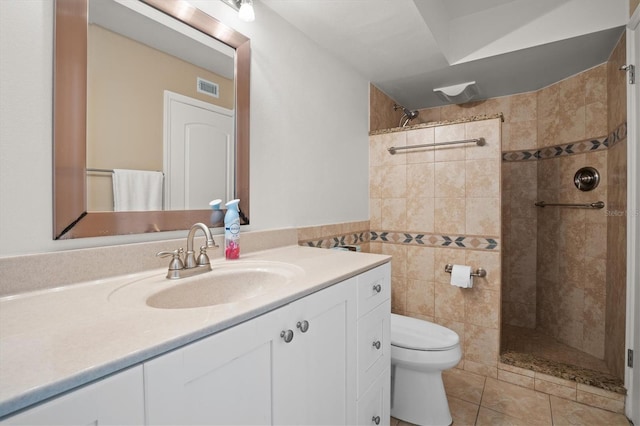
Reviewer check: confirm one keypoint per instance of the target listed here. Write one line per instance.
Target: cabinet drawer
(374, 345)
(374, 287)
(374, 405)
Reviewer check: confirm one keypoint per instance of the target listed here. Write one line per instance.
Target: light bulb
(246, 12)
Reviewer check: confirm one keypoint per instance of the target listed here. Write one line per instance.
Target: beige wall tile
(394, 214)
(490, 131)
(482, 178)
(523, 108)
(454, 132)
(482, 307)
(420, 297)
(419, 137)
(490, 262)
(483, 216)
(421, 263)
(522, 135)
(449, 302)
(481, 345)
(421, 180)
(393, 181)
(449, 216)
(420, 215)
(449, 178)
(381, 113)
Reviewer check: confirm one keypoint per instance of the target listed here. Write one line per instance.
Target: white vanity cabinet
(320, 360)
(115, 400)
(293, 365)
(374, 346)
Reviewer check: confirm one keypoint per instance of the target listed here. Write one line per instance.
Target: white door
(632, 376)
(199, 153)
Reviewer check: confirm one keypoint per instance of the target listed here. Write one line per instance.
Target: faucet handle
(176, 261)
(203, 259)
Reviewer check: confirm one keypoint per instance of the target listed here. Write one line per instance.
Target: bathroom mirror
(72, 121)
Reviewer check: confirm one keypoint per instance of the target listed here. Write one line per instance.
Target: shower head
(408, 114)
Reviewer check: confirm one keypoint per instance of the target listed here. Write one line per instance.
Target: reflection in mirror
(166, 109)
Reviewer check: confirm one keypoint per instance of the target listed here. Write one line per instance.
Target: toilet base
(419, 397)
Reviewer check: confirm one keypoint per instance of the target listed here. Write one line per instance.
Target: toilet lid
(412, 333)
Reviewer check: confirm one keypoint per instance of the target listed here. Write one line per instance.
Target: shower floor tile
(532, 350)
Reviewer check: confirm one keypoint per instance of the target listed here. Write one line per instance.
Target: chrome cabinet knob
(287, 335)
(376, 345)
(376, 419)
(377, 288)
(303, 326)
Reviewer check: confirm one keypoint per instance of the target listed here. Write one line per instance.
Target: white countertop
(54, 340)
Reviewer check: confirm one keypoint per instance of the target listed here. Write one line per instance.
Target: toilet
(420, 351)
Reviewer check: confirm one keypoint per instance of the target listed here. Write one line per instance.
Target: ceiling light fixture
(244, 8)
(459, 93)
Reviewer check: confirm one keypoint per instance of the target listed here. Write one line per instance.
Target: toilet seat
(415, 334)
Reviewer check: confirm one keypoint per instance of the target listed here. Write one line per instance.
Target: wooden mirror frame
(70, 216)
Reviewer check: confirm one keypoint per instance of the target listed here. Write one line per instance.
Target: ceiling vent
(208, 88)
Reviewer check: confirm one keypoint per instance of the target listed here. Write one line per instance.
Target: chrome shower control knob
(377, 288)
(376, 419)
(303, 326)
(377, 344)
(287, 335)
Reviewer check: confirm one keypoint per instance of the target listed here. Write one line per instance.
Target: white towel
(135, 190)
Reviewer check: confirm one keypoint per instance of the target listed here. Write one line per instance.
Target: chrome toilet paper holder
(477, 273)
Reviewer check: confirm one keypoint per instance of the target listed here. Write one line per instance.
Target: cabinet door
(314, 374)
(224, 379)
(116, 400)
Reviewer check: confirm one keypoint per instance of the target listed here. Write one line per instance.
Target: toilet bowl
(420, 351)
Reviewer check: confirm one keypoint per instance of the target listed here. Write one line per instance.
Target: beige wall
(381, 113)
(633, 5)
(126, 83)
(421, 198)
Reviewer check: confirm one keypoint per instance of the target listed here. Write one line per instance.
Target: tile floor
(479, 400)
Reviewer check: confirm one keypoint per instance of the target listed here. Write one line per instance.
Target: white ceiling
(408, 47)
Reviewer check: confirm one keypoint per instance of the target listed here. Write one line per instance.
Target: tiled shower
(563, 267)
(562, 281)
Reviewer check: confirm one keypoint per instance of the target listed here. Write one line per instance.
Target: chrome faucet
(190, 266)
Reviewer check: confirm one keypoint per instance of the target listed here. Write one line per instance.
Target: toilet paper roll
(461, 276)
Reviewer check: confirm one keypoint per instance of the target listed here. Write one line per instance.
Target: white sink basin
(227, 283)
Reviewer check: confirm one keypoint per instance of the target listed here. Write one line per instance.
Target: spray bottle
(232, 230)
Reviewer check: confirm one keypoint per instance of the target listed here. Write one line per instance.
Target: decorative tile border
(434, 240)
(428, 240)
(604, 142)
(350, 239)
